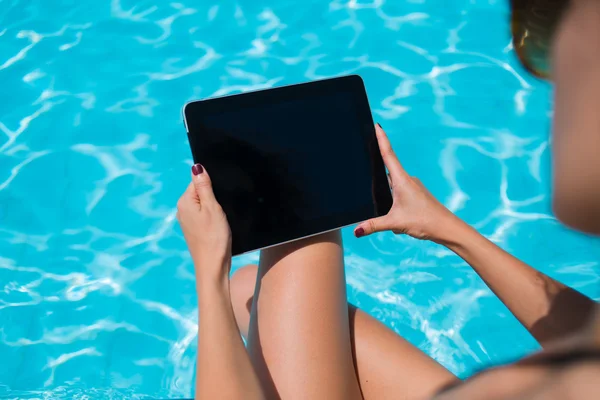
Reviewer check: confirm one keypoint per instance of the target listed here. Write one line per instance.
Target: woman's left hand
(415, 211)
(205, 228)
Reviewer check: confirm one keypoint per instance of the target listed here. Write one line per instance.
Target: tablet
(290, 162)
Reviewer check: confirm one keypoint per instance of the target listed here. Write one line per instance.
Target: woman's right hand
(205, 229)
(415, 211)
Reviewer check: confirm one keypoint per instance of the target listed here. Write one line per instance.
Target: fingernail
(359, 232)
(380, 125)
(197, 169)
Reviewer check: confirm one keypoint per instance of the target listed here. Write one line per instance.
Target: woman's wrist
(212, 276)
(210, 288)
(452, 232)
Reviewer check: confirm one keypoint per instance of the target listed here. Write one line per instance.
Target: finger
(419, 183)
(188, 195)
(387, 153)
(190, 189)
(202, 185)
(372, 225)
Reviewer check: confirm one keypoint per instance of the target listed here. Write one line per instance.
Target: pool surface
(97, 296)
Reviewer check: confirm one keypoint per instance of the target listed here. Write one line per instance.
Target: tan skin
(221, 352)
(386, 364)
(304, 341)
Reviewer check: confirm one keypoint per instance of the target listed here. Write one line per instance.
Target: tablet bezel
(352, 85)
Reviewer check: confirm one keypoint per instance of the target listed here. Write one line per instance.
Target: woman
(304, 342)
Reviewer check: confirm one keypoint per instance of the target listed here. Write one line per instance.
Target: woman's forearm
(546, 307)
(223, 368)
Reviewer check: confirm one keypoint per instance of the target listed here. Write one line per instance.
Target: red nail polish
(197, 169)
(359, 232)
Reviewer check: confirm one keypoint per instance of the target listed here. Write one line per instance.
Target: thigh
(388, 367)
(299, 339)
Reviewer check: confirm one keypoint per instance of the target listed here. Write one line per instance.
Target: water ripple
(97, 299)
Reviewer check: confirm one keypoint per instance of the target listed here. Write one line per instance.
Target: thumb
(370, 226)
(202, 184)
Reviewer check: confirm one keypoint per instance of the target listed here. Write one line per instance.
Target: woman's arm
(223, 367)
(546, 307)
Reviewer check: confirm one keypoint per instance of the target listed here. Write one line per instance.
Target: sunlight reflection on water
(98, 298)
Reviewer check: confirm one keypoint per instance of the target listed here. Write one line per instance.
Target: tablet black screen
(287, 166)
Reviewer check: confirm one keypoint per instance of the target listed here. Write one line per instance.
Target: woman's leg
(298, 337)
(388, 366)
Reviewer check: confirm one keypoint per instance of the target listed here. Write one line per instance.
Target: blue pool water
(97, 296)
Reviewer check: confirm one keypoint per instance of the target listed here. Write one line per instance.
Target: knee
(242, 282)
(241, 287)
